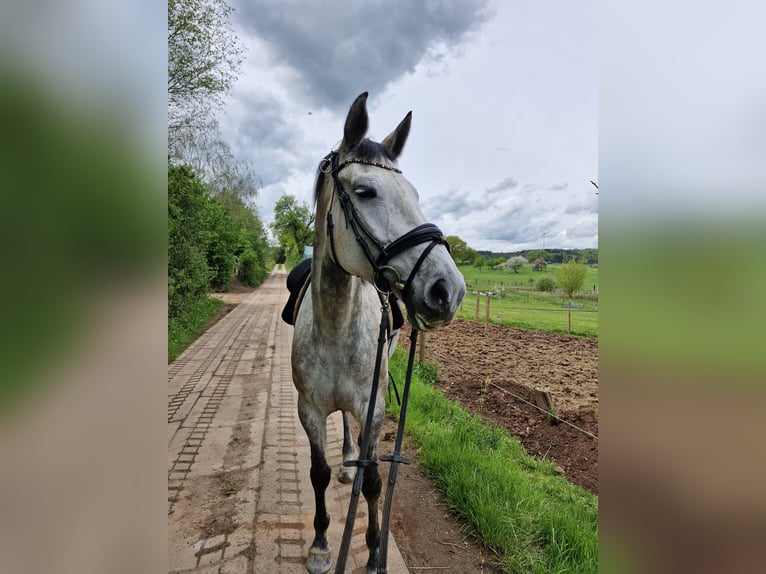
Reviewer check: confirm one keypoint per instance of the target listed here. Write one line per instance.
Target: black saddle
(298, 281)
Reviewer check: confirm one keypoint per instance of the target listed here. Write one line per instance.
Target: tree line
(465, 255)
(214, 232)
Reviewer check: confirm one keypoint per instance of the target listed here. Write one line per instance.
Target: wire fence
(438, 356)
(530, 309)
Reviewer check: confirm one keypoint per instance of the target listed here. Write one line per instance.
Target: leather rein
(385, 280)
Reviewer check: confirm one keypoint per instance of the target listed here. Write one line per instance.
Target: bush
(545, 284)
(188, 272)
(252, 270)
(222, 241)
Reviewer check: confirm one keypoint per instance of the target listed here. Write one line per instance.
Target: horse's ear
(395, 141)
(356, 122)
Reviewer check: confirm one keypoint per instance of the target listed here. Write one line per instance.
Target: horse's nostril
(438, 294)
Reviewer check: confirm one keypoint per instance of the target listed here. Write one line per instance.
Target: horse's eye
(366, 192)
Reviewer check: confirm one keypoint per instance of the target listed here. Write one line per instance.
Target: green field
(515, 301)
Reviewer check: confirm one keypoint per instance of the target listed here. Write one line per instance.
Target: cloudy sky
(504, 99)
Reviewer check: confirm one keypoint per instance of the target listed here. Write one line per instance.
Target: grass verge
(534, 520)
(184, 329)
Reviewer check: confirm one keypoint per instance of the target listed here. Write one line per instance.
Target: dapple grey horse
(363, 206)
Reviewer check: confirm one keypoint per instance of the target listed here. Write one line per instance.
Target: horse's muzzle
(439, 302)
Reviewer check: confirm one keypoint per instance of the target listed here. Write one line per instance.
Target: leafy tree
(479, 262)
(204, 58)
(514, 263)
(188, 272)
(223, 242)
(570, 277)
(539, 265)
(293, 226)
(457, 247)
(535, 254)
(461, 253)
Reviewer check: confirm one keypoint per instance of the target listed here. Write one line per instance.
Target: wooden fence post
(422, 349)
(478, 300)
(544, 400)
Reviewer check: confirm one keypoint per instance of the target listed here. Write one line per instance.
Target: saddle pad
(297, 282)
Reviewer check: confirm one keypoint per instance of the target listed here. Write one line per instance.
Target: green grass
(520, 305)
(183, 330)
(534, 520)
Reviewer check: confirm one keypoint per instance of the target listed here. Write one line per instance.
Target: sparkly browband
(365, 162)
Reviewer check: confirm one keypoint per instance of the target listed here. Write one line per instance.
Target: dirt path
(239, 494)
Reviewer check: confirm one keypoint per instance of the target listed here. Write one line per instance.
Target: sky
(503, 145)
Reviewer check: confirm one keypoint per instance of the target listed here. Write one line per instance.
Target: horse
(370, 234)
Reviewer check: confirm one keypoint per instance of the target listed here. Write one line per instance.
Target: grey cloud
(583, 229)
(515, 230)
(558, 186)
(516, 224)
(340, 49)
(265, 124)
(455, 202)
(579, 205)
(504, 185)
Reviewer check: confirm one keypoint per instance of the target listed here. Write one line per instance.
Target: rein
(385, 280)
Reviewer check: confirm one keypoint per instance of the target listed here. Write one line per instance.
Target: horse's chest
(336, 372)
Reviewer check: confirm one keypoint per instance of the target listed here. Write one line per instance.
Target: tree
(293, 226)
(514, 263)
(223, 243)
(479, 262)
(535, 254)
(188, 272)
(204, 58)
(570, 278)
(457, 247)
(539, 265)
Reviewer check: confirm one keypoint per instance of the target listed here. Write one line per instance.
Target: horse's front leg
(371, 488)
(320, 558)
(346, 473)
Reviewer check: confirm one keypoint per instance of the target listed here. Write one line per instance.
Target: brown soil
(517, 361)
(483, 367)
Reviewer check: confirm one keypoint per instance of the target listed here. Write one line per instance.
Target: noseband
(385, 277)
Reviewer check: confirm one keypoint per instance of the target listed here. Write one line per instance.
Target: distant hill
(551, 255)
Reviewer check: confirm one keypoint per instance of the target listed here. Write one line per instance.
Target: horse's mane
(367, 150)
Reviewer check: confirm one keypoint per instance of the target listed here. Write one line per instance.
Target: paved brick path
(239, 495)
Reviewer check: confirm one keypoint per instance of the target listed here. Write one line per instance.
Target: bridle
(385, 279)
(425, 233)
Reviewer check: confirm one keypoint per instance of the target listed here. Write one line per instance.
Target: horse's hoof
(319, 561)
(346, 475)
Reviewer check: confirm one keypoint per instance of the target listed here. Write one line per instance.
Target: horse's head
(370, 214)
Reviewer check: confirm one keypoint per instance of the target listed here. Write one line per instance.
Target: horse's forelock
(367, 150)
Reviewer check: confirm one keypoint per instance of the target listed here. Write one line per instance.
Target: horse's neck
(335, 296)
